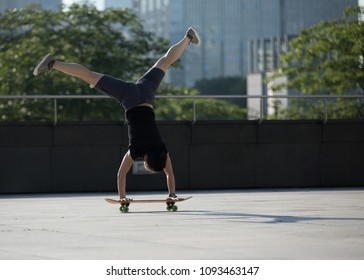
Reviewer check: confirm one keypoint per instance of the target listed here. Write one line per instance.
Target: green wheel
(173, 208)
(124, 208)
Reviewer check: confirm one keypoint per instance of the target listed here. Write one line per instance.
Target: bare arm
(123, 171)
(168, 170)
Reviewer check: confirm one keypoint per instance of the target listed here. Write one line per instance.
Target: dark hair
(156, 160)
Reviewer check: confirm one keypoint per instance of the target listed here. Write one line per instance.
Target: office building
(227, 27)
(119, 4)
(18, 4)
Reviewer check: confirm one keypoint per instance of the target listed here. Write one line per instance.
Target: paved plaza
(284, 224)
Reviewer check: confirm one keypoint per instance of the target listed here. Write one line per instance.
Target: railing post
(55, 119)
(325, 111)
(194, 111)
(261, 110)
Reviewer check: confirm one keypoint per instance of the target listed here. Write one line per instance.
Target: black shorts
(130, 94)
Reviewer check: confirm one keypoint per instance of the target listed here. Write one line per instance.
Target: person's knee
(162, 64)
(93, 78)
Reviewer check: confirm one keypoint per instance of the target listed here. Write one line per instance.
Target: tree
(327, 58)
(205, 109)
(111, 41)
(314, 109)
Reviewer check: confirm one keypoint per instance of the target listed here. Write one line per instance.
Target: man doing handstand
(145, 142)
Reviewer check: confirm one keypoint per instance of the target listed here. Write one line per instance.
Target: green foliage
(327, 58)
(320, 110)
(205, 109)
(111, 41)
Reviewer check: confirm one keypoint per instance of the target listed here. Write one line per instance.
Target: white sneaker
(43, 66)
(192, 34)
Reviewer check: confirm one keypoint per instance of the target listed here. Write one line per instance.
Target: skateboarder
(145, 142)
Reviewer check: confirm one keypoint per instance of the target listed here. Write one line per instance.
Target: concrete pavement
(288, 224)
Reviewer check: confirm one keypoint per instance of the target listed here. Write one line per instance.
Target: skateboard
(124, 208)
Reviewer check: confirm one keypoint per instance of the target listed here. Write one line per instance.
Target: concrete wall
(79, 157)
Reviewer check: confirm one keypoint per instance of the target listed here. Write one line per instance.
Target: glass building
(119, 4)
(17, 4)
(228, 28)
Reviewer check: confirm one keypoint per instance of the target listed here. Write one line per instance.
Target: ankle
(173, 195)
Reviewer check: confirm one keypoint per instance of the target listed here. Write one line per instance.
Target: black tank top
(143, 132)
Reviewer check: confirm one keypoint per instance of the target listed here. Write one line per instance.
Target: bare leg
(78, 71)
(172, 55)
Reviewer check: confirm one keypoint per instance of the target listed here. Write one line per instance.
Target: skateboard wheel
(173, 208)
(124, 209)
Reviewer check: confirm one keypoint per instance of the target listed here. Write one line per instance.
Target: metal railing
(194, 98)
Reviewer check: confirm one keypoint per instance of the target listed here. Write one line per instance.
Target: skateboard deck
(125, 204)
